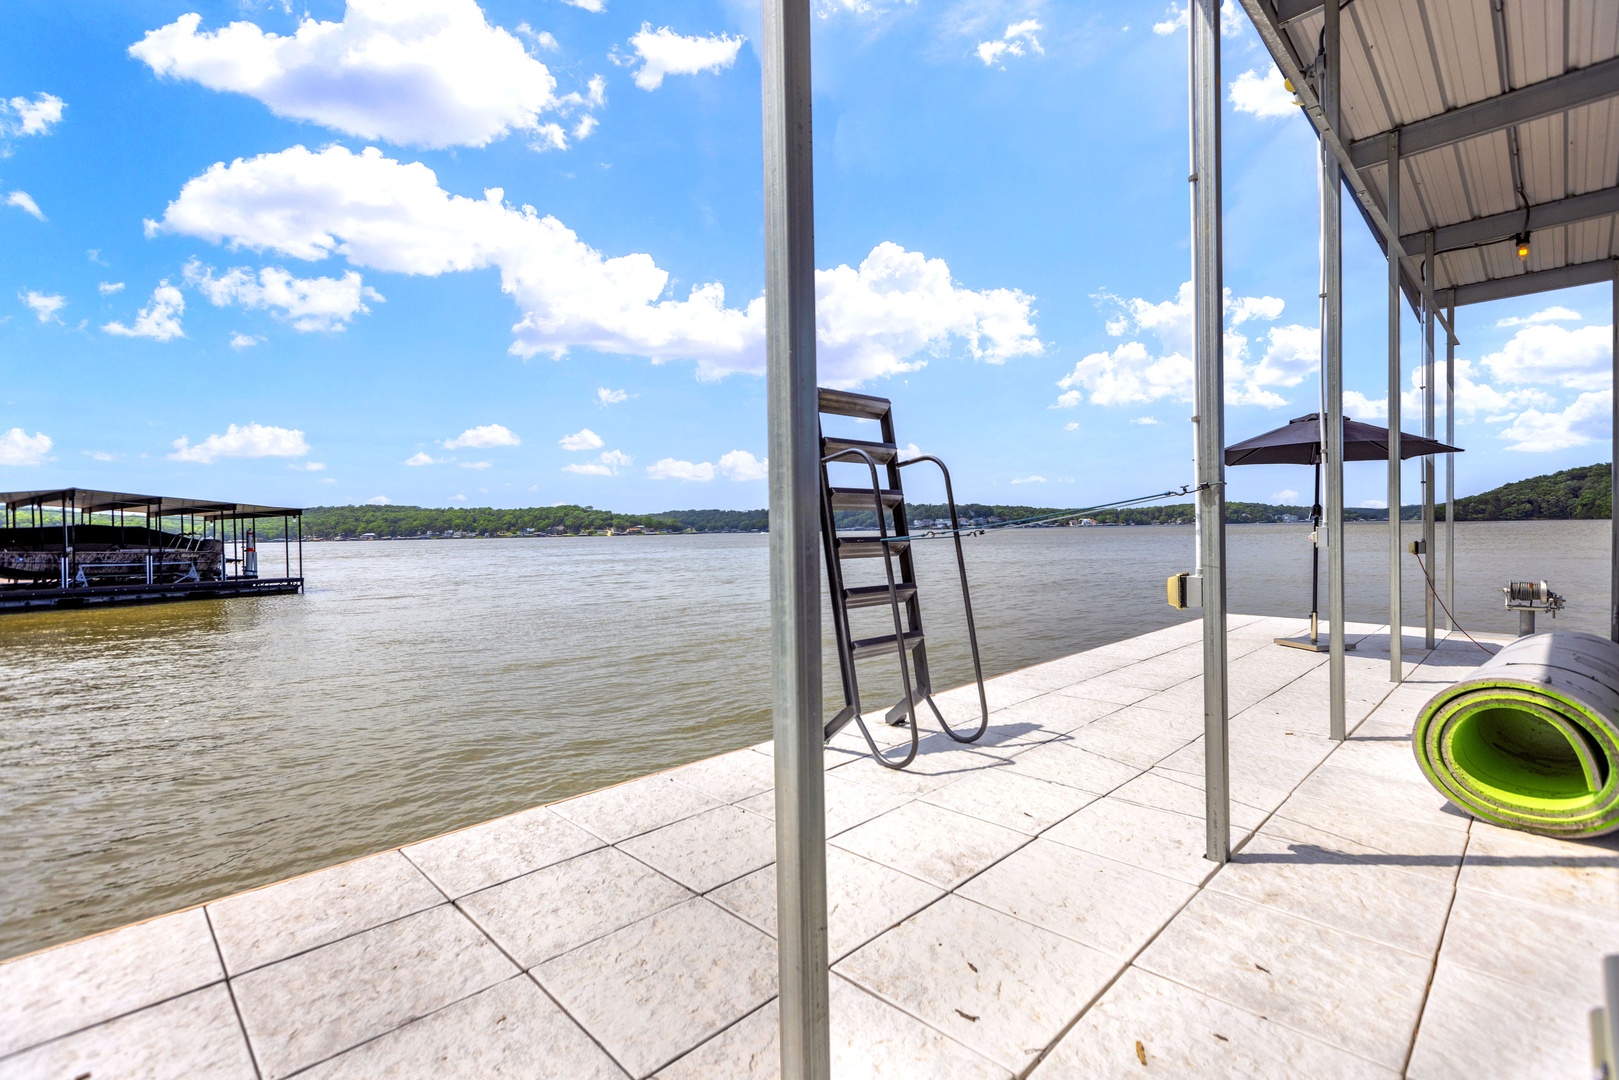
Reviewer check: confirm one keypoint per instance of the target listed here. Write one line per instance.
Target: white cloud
(1231, 19)
(1552, 314)
(158, 320)
(381, 214)
(25, 202)
(1357, 406)
(1134, 373)
(240, 341)
(1262, 94)
(383, 500)
(310, 304)
(595, 7)
(110, 288)
(671, 469)
(906, 453)
(1578, 359)
(100, 455)
(242, 441)
(607, 465)
(741, 465)
(1018, 40)
(17, 447)
(429, 73)
(1374, 504)
(483, 438)
(20, 116)
(43, 305)
(1072, 425)
(1145, 421)
(419, 459)
(1036, 479)
(476, 464)
(606, 397)
(664, 52)
(308, 466)
(583, 439)
(543, 39)
(1586, 420)
(1287, 496)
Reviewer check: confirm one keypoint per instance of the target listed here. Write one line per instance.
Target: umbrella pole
(1315, 555)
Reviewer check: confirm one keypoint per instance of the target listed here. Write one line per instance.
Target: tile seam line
(1242, 844)
(1433, 969)
(1178, 912)
(236, 1007)
(260, 966)
(8, 1055)
(1027, 840)
(522, 973)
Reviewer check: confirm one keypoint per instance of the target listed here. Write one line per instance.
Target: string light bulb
(1523, 245)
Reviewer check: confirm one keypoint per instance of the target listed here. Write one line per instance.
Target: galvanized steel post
(795, 571)
(1396, 615)
(1208, 331)
(1450, 466)
(1332, 357)
(1428, 432)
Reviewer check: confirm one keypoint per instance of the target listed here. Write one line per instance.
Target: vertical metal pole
(1332, 354)
(1396, 615)
(1209, 317)
(1428, 432)
(1450, 465)
(1613, 479)
(795, 577)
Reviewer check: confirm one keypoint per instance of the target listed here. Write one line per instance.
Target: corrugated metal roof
(1405, 62)
(98, 502)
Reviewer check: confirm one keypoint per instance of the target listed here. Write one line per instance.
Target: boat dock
(1036, 904)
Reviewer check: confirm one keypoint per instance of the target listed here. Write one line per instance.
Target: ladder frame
(908, 639)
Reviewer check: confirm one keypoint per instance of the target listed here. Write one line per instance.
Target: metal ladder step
(868, 547)
(843, 403)
(865, 596)
(860, 498)
(881, 452)
(878, 646)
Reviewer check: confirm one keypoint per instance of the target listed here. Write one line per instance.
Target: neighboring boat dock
(1035, 904)
(80, 548)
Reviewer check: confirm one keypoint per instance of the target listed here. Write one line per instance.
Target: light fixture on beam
(1522, 241)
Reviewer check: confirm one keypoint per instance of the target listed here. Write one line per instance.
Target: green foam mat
(1530, 740)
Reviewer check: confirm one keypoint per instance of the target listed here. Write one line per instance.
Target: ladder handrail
(893, 600)
(967, 606)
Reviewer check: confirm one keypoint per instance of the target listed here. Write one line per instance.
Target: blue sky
(435, 252)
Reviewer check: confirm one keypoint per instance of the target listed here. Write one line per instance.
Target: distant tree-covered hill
(1573, 493)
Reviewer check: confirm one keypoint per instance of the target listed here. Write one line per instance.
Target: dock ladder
(891, 543)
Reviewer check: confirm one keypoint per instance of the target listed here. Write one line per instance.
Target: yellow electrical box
(1177, 590)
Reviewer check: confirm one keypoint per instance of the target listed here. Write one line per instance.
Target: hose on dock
(1530, 740)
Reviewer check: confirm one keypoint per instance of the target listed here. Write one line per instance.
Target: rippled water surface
(156, 757)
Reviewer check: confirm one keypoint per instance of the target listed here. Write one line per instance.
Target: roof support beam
(1499, 227)
(1539, 99)
(1289, 11)
(1262, 13)
(1539, 281)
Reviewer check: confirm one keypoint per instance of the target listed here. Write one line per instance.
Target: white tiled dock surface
(1036, 904)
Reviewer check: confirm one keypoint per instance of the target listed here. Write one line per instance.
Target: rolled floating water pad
(1530, 740)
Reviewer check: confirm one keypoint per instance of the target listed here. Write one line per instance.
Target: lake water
(152, 758)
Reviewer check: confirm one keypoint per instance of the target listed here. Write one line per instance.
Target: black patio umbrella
(1299, 443)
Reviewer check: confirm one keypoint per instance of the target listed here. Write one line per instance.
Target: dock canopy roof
(1299, 443)
(1505, 121)
(87, 501)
